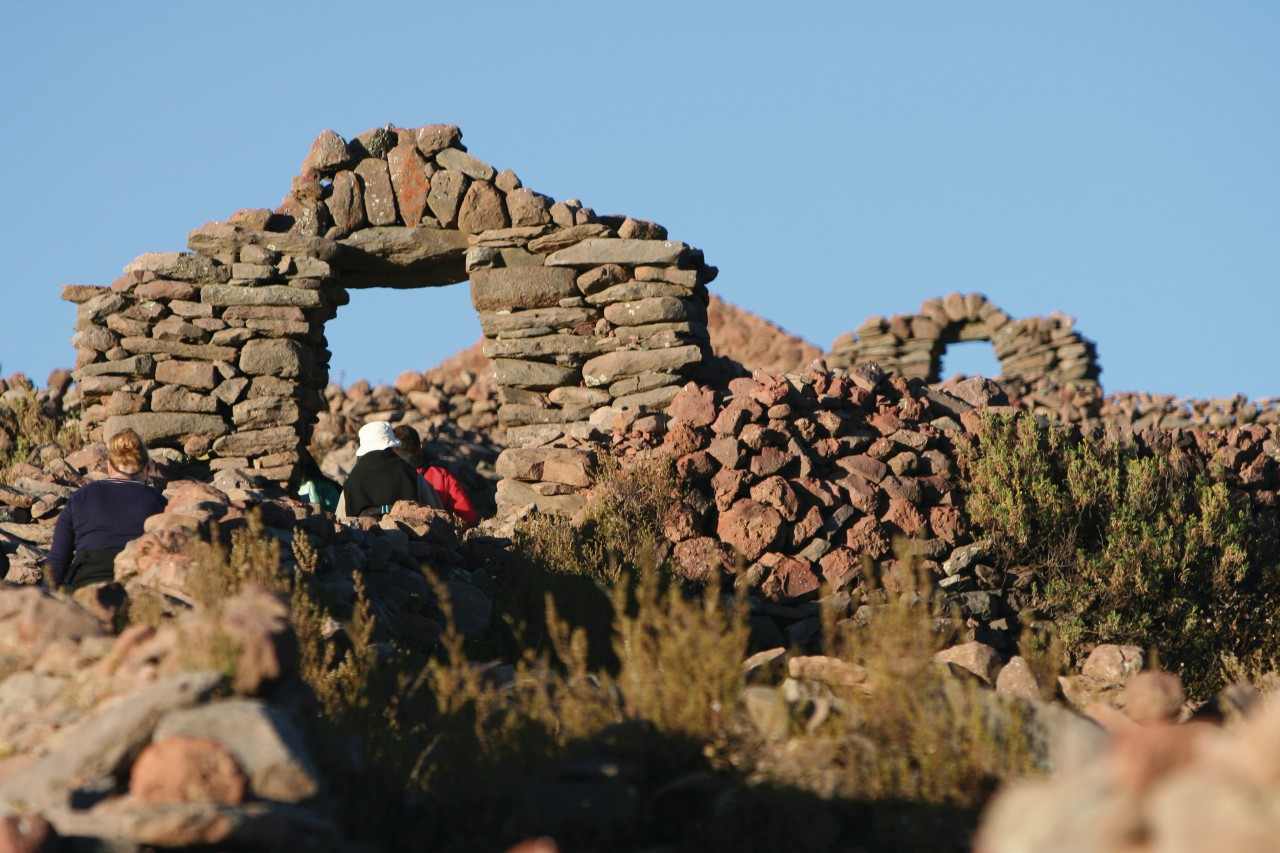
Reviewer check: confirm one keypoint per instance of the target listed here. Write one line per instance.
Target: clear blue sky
(1117, 161)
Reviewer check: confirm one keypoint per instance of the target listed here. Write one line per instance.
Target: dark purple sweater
(103, 514)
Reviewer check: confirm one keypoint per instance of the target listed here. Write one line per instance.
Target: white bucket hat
(376, 436)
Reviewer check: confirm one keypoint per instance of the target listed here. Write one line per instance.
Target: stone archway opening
(969, 358)
(383, 332)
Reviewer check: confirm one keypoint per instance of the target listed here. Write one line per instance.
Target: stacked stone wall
(912, 345)
(221, 350)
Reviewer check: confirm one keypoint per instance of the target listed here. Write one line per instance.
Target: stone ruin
(912, 345)
(221, 351)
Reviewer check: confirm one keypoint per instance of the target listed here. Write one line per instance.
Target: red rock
(694, 405)
(165, 289)
(681, 524)
(885, 423)
(840, 567)
(481, 209)
(681, 439)
(697, 467)
(903, 488)
(182, 769)
(777, 493)
(881, 449)
(871, 470)
(758, 436)
(737, 414)
(727, 485)
(701, 558)
(751, 527)
(946, 522)
(867, 536)
(791, 579)
(911, 409)
(818, 491)
(410, 179)
(770, 389)
(861, 495)
(806, 527)
(769, 461)
(904, 516)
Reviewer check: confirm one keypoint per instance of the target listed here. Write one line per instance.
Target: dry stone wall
(912, 345)
(221, 350)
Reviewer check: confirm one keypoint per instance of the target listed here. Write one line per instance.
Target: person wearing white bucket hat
(380, 477)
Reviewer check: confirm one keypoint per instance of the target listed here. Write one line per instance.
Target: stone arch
(221, 350)
(1033, 350)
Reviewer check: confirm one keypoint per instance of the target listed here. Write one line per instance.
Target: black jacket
(379, 478)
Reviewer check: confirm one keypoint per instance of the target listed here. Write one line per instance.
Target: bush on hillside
(1129, 546)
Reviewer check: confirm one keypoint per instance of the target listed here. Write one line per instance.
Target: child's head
(410, 441)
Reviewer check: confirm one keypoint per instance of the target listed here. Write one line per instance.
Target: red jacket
(452, 495)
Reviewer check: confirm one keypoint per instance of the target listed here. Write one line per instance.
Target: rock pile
(798, 481)
(795, 481)
(129, 739)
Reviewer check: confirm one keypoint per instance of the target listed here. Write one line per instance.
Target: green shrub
(1129, 546)
(24, 418)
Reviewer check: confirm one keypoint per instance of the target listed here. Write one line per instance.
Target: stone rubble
(115, 737)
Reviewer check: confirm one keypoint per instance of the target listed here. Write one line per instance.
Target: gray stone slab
(521, 287)
(595, 251)
(271, 294)
(167, 427)
(608, 368)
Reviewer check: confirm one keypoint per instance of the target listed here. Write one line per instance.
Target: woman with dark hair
(451, 493)
(104, 516)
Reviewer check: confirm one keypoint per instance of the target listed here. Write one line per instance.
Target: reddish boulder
(791, 579)
(867, 536)
(182, 769)
(751, 527)
(840, 568)
(905, 517)
(694, 405)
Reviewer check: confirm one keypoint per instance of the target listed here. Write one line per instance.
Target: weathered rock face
(222, 349)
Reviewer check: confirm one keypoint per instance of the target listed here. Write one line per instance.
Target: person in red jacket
(451, 493)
